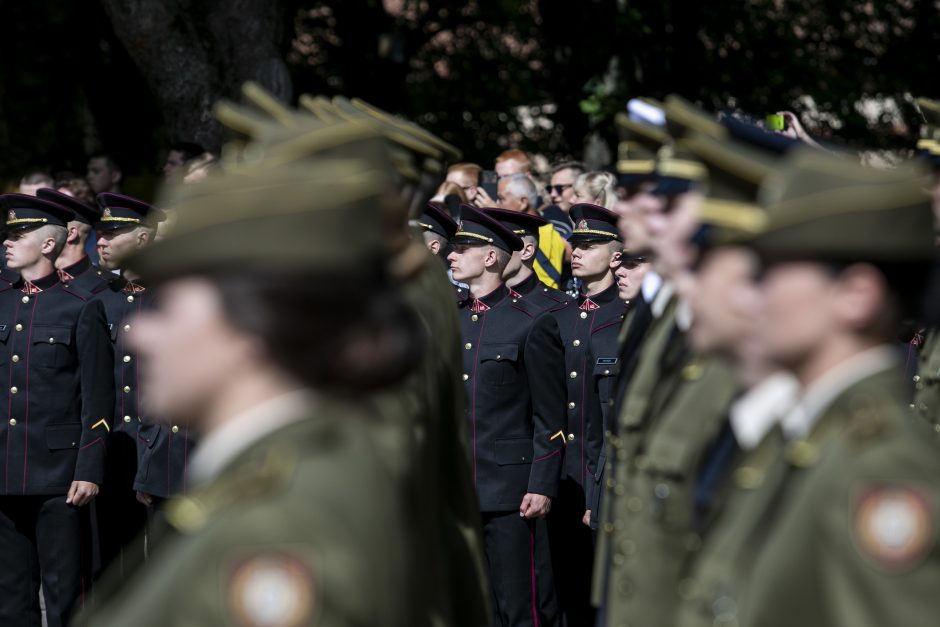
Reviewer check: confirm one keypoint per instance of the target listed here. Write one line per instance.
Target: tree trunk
(192, 53)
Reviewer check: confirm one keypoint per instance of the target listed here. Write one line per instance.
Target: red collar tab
(588, 305)
(30, 288)
(478, 306)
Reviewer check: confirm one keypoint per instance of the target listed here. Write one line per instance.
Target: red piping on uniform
(29, 348)
(535, 613)
(95, 441)
(473, 396)
(6, 461)
(557, 451)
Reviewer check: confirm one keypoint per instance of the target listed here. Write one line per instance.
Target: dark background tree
(131, 76)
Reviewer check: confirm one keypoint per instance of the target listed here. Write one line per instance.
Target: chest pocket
(51, 346)
(671, 479)
(499, 364)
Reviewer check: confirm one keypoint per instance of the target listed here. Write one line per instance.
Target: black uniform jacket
(56, 388)
(589, 332)
(85, 275)
(513, 369)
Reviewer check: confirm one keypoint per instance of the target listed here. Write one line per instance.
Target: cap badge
(107, 213)
(11, 216)
(582, 224)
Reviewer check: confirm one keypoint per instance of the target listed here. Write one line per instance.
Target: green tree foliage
(485, 75)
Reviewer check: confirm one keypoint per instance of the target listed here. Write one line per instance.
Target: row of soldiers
(733, 423)
(81, 461)
(714, 431)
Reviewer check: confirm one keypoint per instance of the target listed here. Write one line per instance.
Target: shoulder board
(527, 308)
(75, 290)
(8, 276)
(191, 513)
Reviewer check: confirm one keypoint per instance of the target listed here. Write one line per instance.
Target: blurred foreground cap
(289, 216)
(822, 207)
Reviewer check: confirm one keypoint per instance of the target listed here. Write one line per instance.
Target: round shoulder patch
(272, 590)
(894, 526)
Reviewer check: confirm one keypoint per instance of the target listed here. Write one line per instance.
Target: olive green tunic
(835, 529)
(420, 424)
(306, 527)
(927, 381)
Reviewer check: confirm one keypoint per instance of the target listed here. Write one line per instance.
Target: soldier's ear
(615, 260)
(528, 250)
(435, 246)
(492, 258)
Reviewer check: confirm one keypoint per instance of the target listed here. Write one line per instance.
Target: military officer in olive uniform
(294, 516)
(513, 378)
(837, 516)
(82, 272)
(520, 276)
(59, 397)
(926, 401)
(422, 421)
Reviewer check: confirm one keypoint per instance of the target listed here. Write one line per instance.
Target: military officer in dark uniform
(125, 226)
(74, 265)
(587, 328)
(520, 274)
(437, 227)
(513, 379)
(58, 397)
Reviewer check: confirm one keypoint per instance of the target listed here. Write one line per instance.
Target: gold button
(583, 315)
(15, 358)
(52, 340)
(12, 422)
(18, 327)
(634, 503)
(127, 359)
(127, 388)
(130, 299)
(127, 418)
(175, 429)
(25, 299)
(576, 343)
(606, 372)
(468, 345)
(571, 437)
(573, 375)
(13, 390)
(474, 317)
(466, 377)
(127, 327)
(916, 378)
(571, 405)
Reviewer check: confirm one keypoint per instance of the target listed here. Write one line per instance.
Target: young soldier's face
(632, 214)
(591, 260)
(188, 350)
(671, 232)
(799, 311)
(630, 279)
(724, 299)
(468, 262)
(23, 248)
(115, 246)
